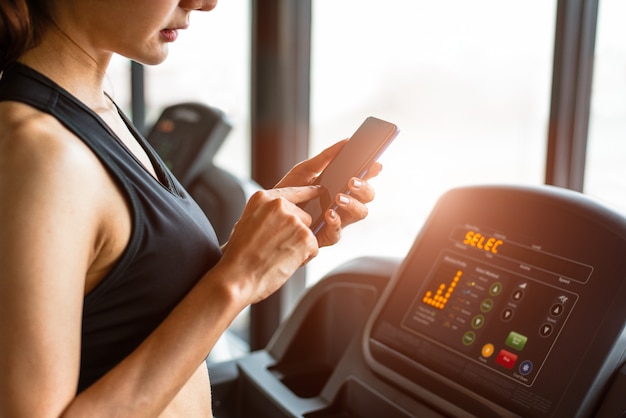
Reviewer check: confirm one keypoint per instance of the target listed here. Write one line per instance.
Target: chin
(149, 60)
(153, 59)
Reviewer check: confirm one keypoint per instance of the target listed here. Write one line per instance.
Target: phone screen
(357, 155)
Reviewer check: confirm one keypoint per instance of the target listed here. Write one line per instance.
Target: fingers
(295, 194)
(373, 171)
(361, 190)
(331, 232)
(270, 241)
(321, 160)
(351, 208)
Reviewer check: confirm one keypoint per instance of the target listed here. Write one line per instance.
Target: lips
(169, 35)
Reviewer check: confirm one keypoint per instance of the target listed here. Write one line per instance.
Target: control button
(506, 359)
(516, 341)
(525, 367)
(507, 314)
(486, 305)
(517, 295)
(468, 338)
(556, 309)
(478, 321)
(546, 329)
(487, 350)
(495, 289)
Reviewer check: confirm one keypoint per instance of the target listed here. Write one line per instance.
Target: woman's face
(138, 29)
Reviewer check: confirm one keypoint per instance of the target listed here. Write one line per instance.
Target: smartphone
(363, 148)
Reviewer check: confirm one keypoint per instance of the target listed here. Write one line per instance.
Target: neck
(62, 59)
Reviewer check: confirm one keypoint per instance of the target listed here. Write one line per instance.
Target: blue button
(526, 367)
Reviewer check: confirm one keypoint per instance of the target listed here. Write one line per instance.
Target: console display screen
(489, 315)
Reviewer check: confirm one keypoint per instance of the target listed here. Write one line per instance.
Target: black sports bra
(172, 243)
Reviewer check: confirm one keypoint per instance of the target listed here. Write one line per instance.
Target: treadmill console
(506, 294)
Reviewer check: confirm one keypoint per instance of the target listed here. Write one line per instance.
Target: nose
(201, 5)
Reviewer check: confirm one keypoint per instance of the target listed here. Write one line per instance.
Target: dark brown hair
(21, 25)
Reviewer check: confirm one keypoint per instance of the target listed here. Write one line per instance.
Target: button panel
(496, 318)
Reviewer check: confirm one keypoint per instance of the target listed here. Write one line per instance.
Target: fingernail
(356, 183)
(344, 200)
(333, 214)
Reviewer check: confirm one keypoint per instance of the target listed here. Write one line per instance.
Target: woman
(113, 289)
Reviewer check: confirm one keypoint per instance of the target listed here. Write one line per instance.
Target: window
(605, 176)
(467, 82)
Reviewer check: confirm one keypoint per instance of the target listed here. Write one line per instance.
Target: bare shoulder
(31, 139)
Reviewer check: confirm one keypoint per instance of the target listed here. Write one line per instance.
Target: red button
(506, 359)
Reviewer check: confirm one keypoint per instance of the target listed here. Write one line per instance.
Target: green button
(478, 321)
(495, 289)
(468, 338)
(486, 305)
(516, 341)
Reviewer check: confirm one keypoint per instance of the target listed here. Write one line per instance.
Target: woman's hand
(269, 242)
(351, 207)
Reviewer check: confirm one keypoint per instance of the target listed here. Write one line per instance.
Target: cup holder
(355, 400)
(305, 380)
(324, 335)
